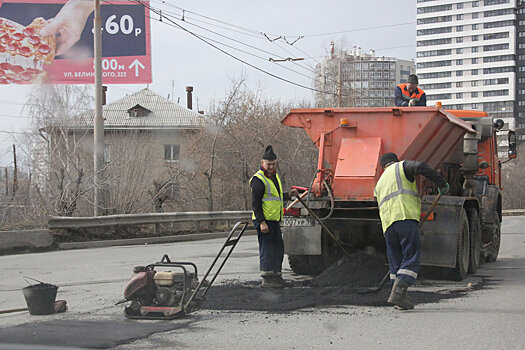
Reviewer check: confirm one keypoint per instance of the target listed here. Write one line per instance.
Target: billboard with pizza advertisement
(51, 42)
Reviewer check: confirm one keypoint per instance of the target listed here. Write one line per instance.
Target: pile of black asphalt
(340, 284)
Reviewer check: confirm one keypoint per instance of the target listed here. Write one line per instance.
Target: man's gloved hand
(412, 103)
(444, 189)
(294, 193)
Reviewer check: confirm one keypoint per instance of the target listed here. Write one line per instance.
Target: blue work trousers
(403, 250)
(271, 248)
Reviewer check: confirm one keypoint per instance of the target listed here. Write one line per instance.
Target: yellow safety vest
(272, 201)
(397, 197)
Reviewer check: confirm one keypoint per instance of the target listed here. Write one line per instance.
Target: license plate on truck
(294, 222)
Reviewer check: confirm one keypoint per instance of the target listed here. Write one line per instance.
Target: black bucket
(40, 298)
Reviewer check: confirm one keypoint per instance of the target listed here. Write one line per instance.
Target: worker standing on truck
(267, 205)
(409, 95)
(400, 211)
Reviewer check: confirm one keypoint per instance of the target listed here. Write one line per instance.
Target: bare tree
(138, 178)
(63, 180)
(245, 123)
(512, 181)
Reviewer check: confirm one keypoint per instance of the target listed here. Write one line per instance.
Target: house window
(171, 153)
(459, 84)
(138, 111)
(459, 95)
(107, 153)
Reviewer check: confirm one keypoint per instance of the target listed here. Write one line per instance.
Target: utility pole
(15, 172)
(6, 182)
(98, 123)
(340, 82)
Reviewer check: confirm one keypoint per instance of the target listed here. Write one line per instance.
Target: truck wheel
(475, 240)
(313, 265)
(462, 259)
(496, 238)
(300, 264)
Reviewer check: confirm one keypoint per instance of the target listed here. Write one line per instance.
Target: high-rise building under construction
(359, 79)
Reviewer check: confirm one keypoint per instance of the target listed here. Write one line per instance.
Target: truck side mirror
(499, 123)
(512, 144)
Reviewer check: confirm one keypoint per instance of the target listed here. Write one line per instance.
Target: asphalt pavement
(92, 280)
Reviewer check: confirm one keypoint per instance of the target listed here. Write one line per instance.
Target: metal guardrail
(508, 212)
(64, 222)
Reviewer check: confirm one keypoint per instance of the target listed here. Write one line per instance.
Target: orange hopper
(351, 141)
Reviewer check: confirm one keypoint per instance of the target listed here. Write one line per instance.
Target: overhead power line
(169, 16)
(281, 36)
(226, 52)
(359, 29)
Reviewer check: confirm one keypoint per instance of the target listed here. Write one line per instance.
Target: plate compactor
(176, 291)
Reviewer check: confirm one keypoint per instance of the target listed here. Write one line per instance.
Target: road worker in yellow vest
(400, 211)
(267, 205)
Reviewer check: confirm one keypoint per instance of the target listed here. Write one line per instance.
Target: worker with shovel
(400, 211)
(267, 205)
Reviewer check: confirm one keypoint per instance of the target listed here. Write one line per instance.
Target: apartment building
(470, 55)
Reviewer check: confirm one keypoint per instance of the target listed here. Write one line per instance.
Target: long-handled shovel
(387, 275)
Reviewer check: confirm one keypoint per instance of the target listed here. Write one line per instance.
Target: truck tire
(493, 251)
(462, 258)
(313, 265)
(475, 240)
(300, 264)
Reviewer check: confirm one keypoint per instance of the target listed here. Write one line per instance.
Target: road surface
(92, 280)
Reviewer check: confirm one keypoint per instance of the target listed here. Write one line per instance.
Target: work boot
(282, 281)
(270, 282)
(398, 295)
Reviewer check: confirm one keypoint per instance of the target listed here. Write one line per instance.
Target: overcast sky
(180, 59)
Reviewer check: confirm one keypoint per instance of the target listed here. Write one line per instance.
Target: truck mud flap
(439, 237)
(302, 240)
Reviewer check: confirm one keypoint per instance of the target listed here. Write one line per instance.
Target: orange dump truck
(462, 229)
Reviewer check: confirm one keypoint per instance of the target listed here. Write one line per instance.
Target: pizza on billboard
(24, 52)
(51, 41)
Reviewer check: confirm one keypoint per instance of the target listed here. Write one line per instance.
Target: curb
(148, 240)
(25, 239)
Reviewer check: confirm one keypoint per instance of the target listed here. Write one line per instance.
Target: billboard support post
(98, 123)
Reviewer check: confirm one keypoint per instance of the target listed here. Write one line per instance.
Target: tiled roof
(165, 114)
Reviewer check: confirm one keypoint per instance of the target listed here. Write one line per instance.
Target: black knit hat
(387, 158)
(412, 79)
(268, 154)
